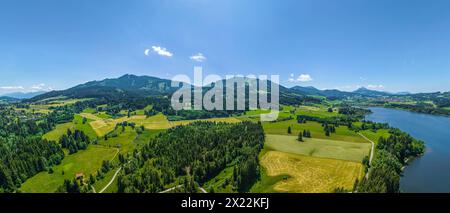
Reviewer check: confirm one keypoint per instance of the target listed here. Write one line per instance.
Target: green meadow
(59, 130)
(84, 161)
(124, 141)
(280, 128)
(314, 147)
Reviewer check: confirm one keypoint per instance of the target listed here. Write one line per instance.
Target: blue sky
(401, 45)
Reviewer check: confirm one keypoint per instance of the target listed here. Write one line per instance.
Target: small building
(79, 176)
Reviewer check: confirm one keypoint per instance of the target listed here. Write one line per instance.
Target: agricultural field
(342, 132)
(84, 126)
(45, 106)
(84, 161)
(142, 111)
(146, 136)
(59, 130)
(124, 141)
(299, 174)
(77, 123)
(314, 147)
(320, 112)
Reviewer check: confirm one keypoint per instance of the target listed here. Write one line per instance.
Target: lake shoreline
(428, 172)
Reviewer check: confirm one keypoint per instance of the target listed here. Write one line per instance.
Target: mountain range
(132, 85)
(22, 95)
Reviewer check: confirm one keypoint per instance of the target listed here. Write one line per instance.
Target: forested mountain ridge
(143, 86)
(124, 86)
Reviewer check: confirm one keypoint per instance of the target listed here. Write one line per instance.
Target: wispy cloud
(291, 78)
(199, 57)
(12, 87)
(33, 88)
(160, 51)
(40, 87)
(375, 87)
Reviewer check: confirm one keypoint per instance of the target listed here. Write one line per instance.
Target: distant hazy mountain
(403, 93)
(23, 95)
(327, 93)
(367, 92)
(8, 99)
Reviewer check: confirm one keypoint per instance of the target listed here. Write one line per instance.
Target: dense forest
(22, 151)
(194, 154)
(391, 156)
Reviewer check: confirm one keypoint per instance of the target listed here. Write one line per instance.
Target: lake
(431, 172)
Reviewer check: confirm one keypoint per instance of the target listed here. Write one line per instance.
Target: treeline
(391, 155)
(353, 111)
(425, 108)
(194, 153)
(335, 120)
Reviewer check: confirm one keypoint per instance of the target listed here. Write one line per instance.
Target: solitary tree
(300, 137)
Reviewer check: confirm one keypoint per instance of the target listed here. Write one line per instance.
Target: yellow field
(314, 147)
(310, 174)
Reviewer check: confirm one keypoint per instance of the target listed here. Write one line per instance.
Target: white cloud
(12, 88)
(304, 78)
(199, 57)
(375, 87)
(291, 77)
(40, 87)
(160, 51)
(33, 88)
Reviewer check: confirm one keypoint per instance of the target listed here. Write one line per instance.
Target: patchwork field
(86, 161)
(318, 147)
(281, 127)
(85, 127)
(309, 174)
